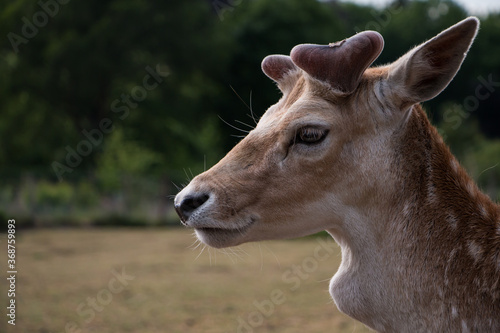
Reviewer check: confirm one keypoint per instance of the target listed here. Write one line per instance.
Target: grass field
(139, 280)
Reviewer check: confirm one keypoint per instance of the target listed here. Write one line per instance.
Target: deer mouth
(223, 237)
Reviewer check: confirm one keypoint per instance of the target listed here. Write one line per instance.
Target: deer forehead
(307, 110)
(308, 100)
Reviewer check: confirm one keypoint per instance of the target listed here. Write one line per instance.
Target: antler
(340, 64)
(277, 66)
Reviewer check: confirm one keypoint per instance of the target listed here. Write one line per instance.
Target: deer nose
(189, 204)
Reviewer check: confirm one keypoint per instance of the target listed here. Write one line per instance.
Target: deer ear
(340, 64)
(425, 71)
(277, 67)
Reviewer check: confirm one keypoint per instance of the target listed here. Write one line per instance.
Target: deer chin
(219, 237)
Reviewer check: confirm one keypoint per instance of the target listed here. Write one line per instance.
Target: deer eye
(310, 135)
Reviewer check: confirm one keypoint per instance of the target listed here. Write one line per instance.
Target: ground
(154, 280)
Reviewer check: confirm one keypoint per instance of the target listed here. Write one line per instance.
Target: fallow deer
(348, 149)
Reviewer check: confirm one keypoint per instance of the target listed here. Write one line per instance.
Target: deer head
(322, 153)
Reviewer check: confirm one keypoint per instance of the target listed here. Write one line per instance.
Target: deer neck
(436, 197)
(430, 223)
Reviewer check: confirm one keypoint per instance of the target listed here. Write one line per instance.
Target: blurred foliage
(53, 194)
(163, 73)
(122, 158)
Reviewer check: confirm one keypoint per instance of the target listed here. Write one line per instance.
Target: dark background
(69, 66)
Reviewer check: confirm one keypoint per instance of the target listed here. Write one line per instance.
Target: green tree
(63, 79)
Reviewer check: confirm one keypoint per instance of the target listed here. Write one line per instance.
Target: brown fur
(448, 239)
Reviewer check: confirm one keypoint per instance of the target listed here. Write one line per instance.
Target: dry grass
(171, 287)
